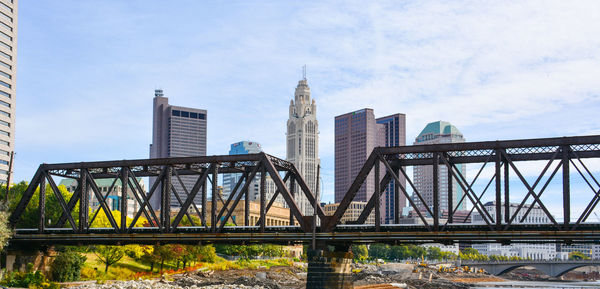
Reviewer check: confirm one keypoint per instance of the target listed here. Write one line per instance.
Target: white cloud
(496, 70)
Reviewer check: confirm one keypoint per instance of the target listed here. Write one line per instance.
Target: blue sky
(497, 70)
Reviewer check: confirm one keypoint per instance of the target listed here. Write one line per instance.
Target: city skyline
(488, 93)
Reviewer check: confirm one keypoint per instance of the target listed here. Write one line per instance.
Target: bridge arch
(550, 269)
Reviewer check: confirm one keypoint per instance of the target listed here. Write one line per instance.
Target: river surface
(538, 284)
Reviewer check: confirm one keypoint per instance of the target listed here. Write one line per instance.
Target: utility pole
(314, 223)
(10, 164)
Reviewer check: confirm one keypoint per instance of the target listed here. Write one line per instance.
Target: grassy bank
(128, 268)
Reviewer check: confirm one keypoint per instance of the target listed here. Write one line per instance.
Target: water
(538, 284)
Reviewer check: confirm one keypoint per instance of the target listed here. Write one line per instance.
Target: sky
(498, 70)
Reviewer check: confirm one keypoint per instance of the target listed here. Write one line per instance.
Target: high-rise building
(230, 180)
(394, 130)
(356, 135)
(239, 148)
(351, 214)
(176, 132)
(8, 81)
(436, 133)
(303, 142)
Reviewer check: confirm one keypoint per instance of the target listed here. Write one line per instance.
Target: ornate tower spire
(303, 139)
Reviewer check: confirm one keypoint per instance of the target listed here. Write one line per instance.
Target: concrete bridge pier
(17, 259)
(329, 269)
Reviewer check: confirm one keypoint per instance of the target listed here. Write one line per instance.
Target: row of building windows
(4, 133)
(6, 26)
(6, 17)
(5, 36)
(6, 7)
(4, 83)
(188, 114)
(6, 46)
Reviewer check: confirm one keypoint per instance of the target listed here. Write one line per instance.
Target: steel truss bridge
(566, 155)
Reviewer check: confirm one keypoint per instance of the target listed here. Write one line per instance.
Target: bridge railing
(210, 208)
(388, 166)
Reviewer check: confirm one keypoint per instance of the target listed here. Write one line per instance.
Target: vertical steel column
(292, 192)
(203, 200)
(213, 202)
(498, 191)
(450, 194)
(397, 211)
(436, 191)
(566, 187)
(166, 202)
(123, 198)
(377, 197)
(42, 203)
(263, 197)
(83, 201)
(247, 203)
(506, 192)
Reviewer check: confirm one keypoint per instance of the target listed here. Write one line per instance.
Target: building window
(185, 114)
(4, 133)
(4, 113)
(6, 26)
(4, 84)
(4, 123)
(7, 76)
(4, 103)
(6, 17)
(175, 113)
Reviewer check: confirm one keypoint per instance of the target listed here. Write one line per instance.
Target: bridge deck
(531, 233)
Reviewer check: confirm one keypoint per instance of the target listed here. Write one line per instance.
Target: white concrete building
(543, 251)
(303, 142)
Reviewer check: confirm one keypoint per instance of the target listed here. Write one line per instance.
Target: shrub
(89, 273)
(67, 266)
(123, 274)
(34, 280)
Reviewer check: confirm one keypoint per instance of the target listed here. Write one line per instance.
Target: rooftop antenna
(304, 72)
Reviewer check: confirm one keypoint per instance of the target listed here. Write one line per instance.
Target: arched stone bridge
(551, 268)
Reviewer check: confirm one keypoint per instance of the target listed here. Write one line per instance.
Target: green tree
(379, 251)
(576, 255)
(360, 252)
(469, 251)
(434, 253)
(30, 216)
(5, 231)
(67, 266)
(109, 255)
(162, 253)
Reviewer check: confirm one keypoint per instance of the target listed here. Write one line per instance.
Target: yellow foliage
(102, 220)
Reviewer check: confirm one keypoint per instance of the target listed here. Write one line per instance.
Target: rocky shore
(399, 275)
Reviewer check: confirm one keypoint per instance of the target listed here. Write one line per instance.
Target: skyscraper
(394, 130)
(176, 132)
(230, 180)
(356, 135)
(8, 63)
(436, 133)
(303, 141)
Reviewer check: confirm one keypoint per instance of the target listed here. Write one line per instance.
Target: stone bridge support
(329, 269)
(17, 259)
